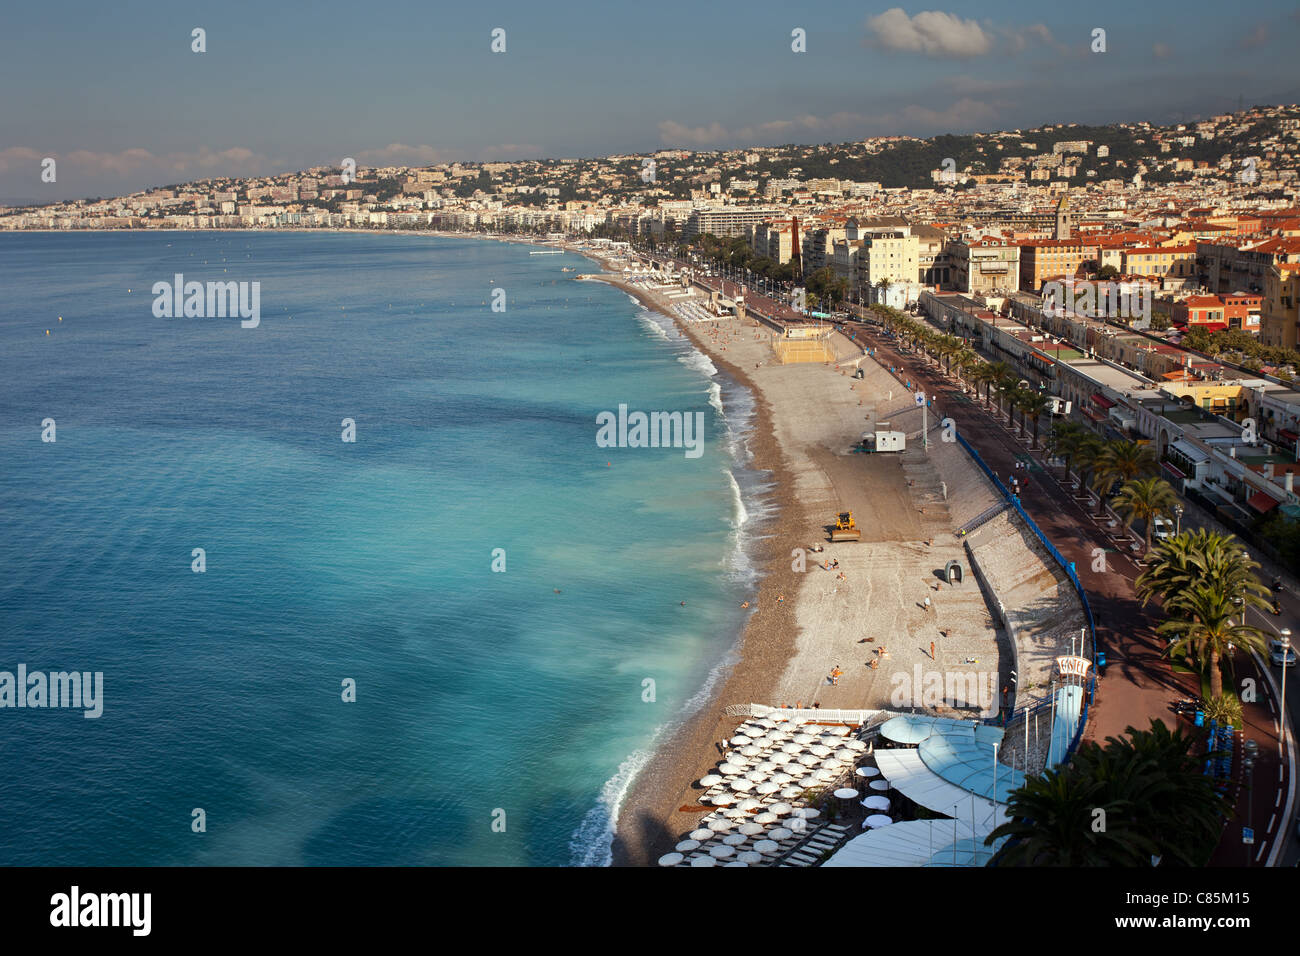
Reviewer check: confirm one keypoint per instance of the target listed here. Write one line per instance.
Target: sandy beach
(805, 620)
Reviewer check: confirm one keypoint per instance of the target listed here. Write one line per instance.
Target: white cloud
(931, 32)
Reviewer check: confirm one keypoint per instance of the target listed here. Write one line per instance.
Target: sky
(117, 96)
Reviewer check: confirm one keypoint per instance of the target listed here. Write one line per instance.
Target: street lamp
(1178, 515)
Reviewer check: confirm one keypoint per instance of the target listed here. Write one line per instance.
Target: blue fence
(1068, 568)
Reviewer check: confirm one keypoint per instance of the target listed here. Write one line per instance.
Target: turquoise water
(477, 691)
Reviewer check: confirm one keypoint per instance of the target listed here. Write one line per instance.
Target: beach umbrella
(710, 780)
(767, 788)
(792, 749)
(876, 803)
(808, 760)
(878, 820)
(820, 750)
(722, 800)
(844, 753)
(741, 785)
(867, 772)
(780, 833)
(735, 814)
(809, 782)
(735, 862)
(767, 846)
(686, 846)
(671, 859)
(766, 766)
(731, 769)
(750, 829)
(749, 803)
(781, 777)
(702, 834)
(766, 817)
(779, 808)
(853, 743)
(804, 738)
(766, 722)
(740, 740)
(825, 775)
(791, 792)
(703, 861)
(749, 856)
(758, 776)
(734, 839)
(846, 793)
(722, 852)
(719, 824)
(750, 751)
(807, 813)
(881, 785)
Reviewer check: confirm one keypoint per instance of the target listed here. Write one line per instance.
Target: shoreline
(649, 820)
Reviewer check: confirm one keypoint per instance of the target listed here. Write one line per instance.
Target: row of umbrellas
(772, 762)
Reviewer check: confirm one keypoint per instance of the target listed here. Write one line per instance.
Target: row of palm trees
(996, 379)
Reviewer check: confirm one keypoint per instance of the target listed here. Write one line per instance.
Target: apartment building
(987, 266)
(1042, 260)
(1278, 320)
(725, 221)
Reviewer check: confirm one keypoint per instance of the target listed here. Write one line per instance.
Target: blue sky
(114, 93)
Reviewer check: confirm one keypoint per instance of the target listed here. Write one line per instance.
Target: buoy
(47, 331)
(60, 318)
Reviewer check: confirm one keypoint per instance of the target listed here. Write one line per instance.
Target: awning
(1173, 471)
(1262, 502)
(1287, 435)
(1189, 451)
(1102, 400)
(1094, 415)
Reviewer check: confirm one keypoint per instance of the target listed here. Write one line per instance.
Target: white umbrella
(734, 839)
(766, 766)
(844, 753)
(820, 750)
(781, 777)
(881, 785)
(804, 738)
(751, 751)
(809, 782)
(780, 833)
(767, 788)
(722, 800)
(878, 820)
(767, 846)
(749, 856)
(749, 803)
(687, 845)
(750, 829)
(731, 768)
(768, 817)
(758, 776)
(808, 760)
(853, 743)
(671, 859)
(791, 792)
(846, 793)
(735, 862)
(826, 775)
(807, 813)
(710, 780)
(702, 834)
(867, 772)
(779, 808)
(740, 740)
(742, 785)
(703, 861)
(722, 852)
(736, 814)
(720, 824)
(876, 803)
(792, 749)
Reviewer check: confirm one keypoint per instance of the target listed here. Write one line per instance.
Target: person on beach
(932, 650)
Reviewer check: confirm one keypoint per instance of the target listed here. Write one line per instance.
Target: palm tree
(1200, 556)
(1035, 404)
(1204, 625)
(1064, 441)
(1120, 460)
(1144, 499)
(983, 374)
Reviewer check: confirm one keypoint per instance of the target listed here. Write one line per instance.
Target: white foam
(592, 842)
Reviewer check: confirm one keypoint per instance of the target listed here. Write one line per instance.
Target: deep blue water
(476, 691)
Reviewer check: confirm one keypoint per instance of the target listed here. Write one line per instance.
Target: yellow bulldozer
(845, 528)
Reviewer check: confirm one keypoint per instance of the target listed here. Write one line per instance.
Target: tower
(796, 258)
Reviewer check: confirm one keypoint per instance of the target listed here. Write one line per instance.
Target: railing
(1068, 568)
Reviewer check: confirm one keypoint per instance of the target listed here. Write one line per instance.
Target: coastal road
(1139, 683)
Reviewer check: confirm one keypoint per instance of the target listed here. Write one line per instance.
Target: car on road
(1276, 651)
(1162, 529)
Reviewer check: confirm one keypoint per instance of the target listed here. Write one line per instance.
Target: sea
(451, 640)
